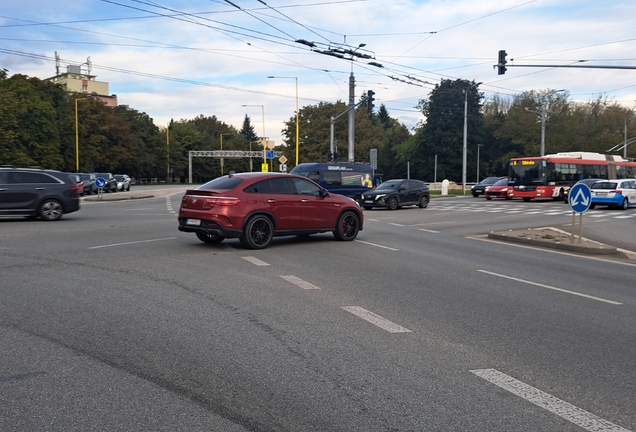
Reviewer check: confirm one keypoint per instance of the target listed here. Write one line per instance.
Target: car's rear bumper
(209, 227)
(614, 201)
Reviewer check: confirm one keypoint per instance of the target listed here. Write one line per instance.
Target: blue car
(620, 193)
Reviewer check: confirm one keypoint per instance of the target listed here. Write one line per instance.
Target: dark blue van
(348, 179)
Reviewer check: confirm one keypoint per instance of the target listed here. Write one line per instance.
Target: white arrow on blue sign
(580, 198)
(100, 182)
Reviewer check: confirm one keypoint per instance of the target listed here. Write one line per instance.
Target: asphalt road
(111, 319)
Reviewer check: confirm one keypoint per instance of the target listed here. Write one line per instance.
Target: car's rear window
(604, 185)
(222, 183)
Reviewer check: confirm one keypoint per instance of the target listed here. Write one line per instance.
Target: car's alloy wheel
(50, 210)
(258, 232)
(625, 204)
(423, 201)
(347, 227)
(209, 238)
(392, 204)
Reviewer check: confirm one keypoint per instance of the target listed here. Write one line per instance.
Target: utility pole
(465, 150)
(352, 116)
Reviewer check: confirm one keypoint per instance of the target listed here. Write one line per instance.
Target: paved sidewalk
(136, 193)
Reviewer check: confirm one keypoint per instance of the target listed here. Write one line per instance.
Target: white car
(614, 193)
(123, 182)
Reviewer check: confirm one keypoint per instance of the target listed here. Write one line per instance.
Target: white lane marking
(377, 245)
(255, 261)
(129, 243)
(569, 412)
(551, 287)
(427, 230)
(434, 223)
(485, 238)
(377, 320)
(169, 205)
(299, 282)
(371, 220)
(138, 209)
(396, 224)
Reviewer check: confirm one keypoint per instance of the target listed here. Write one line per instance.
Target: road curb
(554, 240)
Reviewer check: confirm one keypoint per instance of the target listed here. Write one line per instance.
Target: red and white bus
(551, 175)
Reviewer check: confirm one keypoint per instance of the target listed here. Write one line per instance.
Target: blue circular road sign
(100, 182)
(579, 198)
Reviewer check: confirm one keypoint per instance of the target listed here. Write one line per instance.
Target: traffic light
(501, 68)
(330, 156)
(370, 100)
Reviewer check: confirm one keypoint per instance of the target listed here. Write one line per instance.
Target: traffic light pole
(349, 110)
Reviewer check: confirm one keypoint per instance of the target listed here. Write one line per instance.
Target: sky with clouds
(179, 59)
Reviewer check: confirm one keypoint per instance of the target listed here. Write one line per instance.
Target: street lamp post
(263, 138)
(478, 146)
(296, 78)
(221, 138)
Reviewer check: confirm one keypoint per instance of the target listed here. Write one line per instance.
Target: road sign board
(579, 198)
(282, 159)
(269, 154)
(264, 167)
(100, 182)
(283, 167)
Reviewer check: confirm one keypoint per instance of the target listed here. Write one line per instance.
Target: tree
(442, 133)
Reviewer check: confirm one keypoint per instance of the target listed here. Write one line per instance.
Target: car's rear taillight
(222, 201)
(616, 192)
(75, 189)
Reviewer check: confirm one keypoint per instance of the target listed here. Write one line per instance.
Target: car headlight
(377, 197)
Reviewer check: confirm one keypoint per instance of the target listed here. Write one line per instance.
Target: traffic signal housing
(370, 100)
(501, 64)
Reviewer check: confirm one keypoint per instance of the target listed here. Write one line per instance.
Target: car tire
(128, 189)
(475, 195)
(625, 204)
(50, 210)
(526, 199)
(347, 227)
(258, 232)
(423, 202)
(592, 206)
(209, 238)
(392, 203)
(367, 207)
(488, 198)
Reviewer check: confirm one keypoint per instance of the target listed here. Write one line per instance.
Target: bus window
(332, 177)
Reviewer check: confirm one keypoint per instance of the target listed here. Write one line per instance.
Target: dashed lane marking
(569, 412)
(255, 261)
(130, 243)
(377, 245)
(377, 320)
(427, 230)
(301, 283)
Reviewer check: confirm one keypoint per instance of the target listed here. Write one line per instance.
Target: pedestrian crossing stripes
(527, 210)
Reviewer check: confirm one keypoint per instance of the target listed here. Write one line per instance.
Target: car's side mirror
(323, 193)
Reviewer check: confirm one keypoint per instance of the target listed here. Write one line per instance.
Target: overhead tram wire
(224, 32)
(293, 20)
(259, 19)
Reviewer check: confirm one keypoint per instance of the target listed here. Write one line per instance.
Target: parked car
(480, 187)
(79, 183)
(586, 182)
(123, 182)
(111, 182)
(394, 194)
(256, 207)
(89, 183)
(34, 192)
(619, 193)
(499, 189)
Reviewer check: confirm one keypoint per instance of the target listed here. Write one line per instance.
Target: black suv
(393, 194)
(480, 187)
(34, 192)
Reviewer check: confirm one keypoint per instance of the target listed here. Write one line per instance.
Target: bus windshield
(527, 172)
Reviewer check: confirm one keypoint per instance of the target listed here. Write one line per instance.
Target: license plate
(196, 222)
(368, 201)
(601, 193)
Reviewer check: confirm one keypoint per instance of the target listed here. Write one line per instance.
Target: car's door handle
(40, 188)
(3, 189)
(304, 200)
(271, 201)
